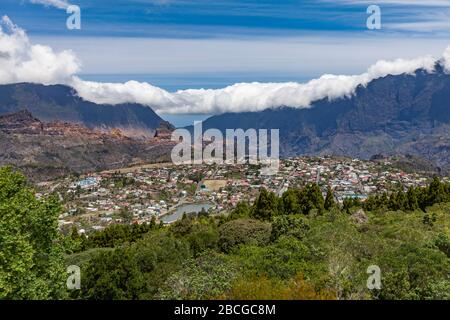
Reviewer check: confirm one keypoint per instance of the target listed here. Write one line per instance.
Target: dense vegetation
(297, 246)
(31, 248)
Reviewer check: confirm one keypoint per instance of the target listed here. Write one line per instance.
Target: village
(162, 193)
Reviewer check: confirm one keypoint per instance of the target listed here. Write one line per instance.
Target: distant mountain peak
(62, 103)
(396, 114)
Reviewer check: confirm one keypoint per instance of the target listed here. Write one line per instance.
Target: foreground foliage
(302, 245)
(31, 248)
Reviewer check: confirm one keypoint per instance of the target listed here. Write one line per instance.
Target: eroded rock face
(44, 150)
(163, 134)
(21, 122)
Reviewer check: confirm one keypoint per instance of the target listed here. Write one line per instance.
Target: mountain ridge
(404, 114)
(62, 103)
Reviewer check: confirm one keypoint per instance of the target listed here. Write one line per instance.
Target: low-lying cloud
(22, 61)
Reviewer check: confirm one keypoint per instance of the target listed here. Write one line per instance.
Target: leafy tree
(266, 206)
(292, 225)
(242, 210)
(401, 200)
(372, 203)
(384, 199)
(182, 227)
(334, 240)
(350, 203)
(410, 271)
(329, 200)
(412, 202)
(153, 223)
(77, 242)
(310, 197)
(112, 275)
(243, 231)
(118, 234)
(158, 255)
(203, 237)
(281, 260)
(206, 277)
(429, 219)
(203, 213)
(442, 242)
(81, 259)
(436, 192)
(290, 202)
(415, 198)
(31, 250)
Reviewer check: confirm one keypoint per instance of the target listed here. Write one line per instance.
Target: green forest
(299, 246)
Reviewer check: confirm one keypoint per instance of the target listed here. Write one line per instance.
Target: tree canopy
(31, 249)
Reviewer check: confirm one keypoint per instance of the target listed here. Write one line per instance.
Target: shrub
(263, 288)
(243, 231)
(206, 277)
(290, 225)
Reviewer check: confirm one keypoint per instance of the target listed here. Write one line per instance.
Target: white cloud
(21, 61)
(246, 96)
(60, 4)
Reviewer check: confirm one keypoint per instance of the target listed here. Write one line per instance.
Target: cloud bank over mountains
(22, 61)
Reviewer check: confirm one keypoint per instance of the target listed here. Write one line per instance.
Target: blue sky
(133, 30)
(208, 29)
(227, 18)
(187, 19)
(180, 44)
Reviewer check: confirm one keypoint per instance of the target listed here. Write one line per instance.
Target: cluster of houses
(352, 178)
(144, 194)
